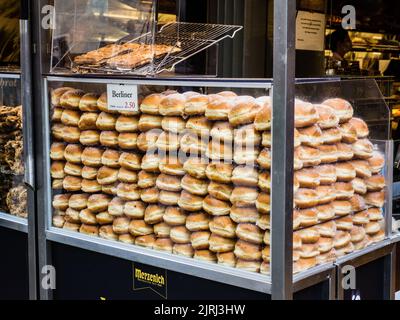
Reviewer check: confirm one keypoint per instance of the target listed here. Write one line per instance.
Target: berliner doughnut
(244, 196)
(196, 105)
(73, 169)
(90, 186)
(378, 237)
(345, 152)
(326, 173)
(109, 139)
(297, 162)
(169, 198)
(331, 136)
(172, 105)
(87, 121)
(308, 178)
(151, 103)
(216, 207)
(162, 230)
(328, 154)
(199, 125)
(154, 214)
(342, 108)
(327, 117)
(249, 232)
(70, 99)
(134, 209)
(106, 121)
(168, 183)
(327, 229)
(89, 137)
(296, 221)
(307, 217)
(194, 186)
(219, 172)
(362, 168)
(250, 266)
(89, 230)
(264, 181)
(139, 228)
(168, 141)
(263, 203)
(263, 119)
(342, 239)
(342, 208)
(149, 122)
(61, 201)
(70, 118)
(266, 254)
(359, 186)
(266, 140)
(325, 245)
(98, 203)
(116, 207)
(126, 124)
(130, 161)
(374, 183)
(265, 158)
(247, 136)
(72, 184)
(222, 131)
(344, 190)
(56, 95)
(196, 167)
(104, 218)
(361, 127)
(264, 222)
(128, 140)
(375, 199)
(311, 136)
(219, 151)
(146, 179)
(57, 184)
(376, 162)
(247, 251)
(372, 228)
(305, 114)
(87, 217)
(57, 131)
(57, 150)
(106, 175)
(310, 250)
(227, 259)
(306, 198)
(174, 216)
(361, 218)
(88, 102)
(71, 226)
(173, 124)
(58, 221)
(198, 222)
(110, 158)
(265, 268)
(375, 214)
(147, 241)
(223, 226)
(57, 170)
(78, 201)
(357, 203)
(248, 155)
(325, 212)
(309, 235)
(71, 134)
(357, 234)
(180, 235)
(345, 171)
(126, 238)
(246, 215)
(107, 232)
(205, 255)
(163, 244)
(218, 108)
(345, 223)
(102, 103)
(185, 250)
(72, 216)
(220, 191)
(190, 202)
(191, 144)
(296, 241)
(91, 157)
(309, 157)
(363, 149)
(227, 94)
(151, 163)
(127, 176)
(147, 141)
(244, 111)
(349, 133)
(245, 176)
(128, 192)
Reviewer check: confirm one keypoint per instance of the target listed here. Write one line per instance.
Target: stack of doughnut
(189, 174)
(340, 192)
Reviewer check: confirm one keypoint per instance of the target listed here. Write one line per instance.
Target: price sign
(122, 97)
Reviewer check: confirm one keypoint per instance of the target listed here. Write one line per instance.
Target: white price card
(310, 31)
(122, 97)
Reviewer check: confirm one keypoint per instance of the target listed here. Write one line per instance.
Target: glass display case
(164, 170)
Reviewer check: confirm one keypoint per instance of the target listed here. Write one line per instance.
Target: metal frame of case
(281, 284)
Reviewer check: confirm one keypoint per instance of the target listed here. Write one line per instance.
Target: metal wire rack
(190, 38)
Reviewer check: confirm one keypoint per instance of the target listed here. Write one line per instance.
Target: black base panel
(14, 275)
(86, 275)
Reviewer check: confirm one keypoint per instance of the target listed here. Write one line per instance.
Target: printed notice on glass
(122, 97)
(310, 31)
